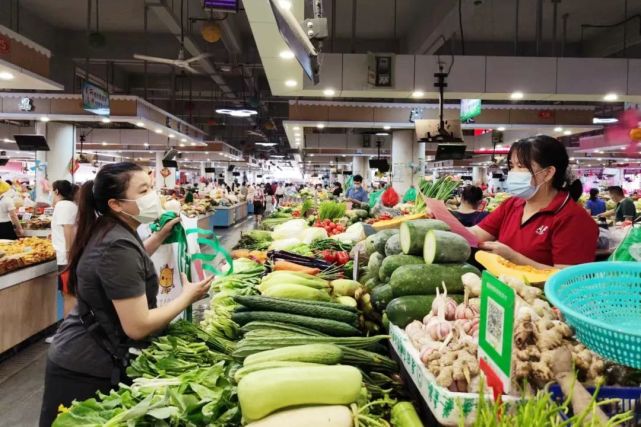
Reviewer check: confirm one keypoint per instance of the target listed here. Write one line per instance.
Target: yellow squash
(395, 222)
(497, 265)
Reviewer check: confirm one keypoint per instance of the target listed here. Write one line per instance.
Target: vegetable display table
(28, 299)
(226, 216)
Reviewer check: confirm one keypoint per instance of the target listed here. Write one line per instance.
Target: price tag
(496, 331)
(26, 216)
(355, 270)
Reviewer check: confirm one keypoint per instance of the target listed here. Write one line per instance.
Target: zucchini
(368, 359)
(279, 327)
(379, 239)
(326, 354)
(284, 305)
(403, 310)
(425, 278)
(331, 305)
(412, 234)
(404, 415)
(374, 263)
(349, 301)
(344, 287)
(251, 345)
(309, 416)
(331, 327)
(393, 262)
(444, 246)
(381, 296)
(295, 277)
(393, 245)
(298, 292)
(245, 370)
(263, 392)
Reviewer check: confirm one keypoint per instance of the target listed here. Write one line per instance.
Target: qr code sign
(494, 325)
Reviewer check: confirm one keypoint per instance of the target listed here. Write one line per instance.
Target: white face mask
(149, 208)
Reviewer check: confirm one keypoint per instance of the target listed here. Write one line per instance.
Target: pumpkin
(497, 265)
(395, 222)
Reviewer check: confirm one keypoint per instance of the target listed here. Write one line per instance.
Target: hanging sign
(470, 108)
(95, 99)
(496, 329)
(5, 45)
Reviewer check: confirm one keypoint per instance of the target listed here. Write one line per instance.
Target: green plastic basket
(602, 302)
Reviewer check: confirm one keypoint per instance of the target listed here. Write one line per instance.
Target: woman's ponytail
(575, 188)
(85, 224)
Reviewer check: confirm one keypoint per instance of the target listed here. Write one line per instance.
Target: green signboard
(496, 329)
(470, 108)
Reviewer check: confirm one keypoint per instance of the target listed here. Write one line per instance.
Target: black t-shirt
(470, 219)
(337, 191)
(114, 267)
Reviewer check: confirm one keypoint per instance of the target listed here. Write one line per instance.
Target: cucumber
(374, 264)
(403, 310)
(279, 327)
(330, 305)
(379, 239)
(393, 262)
(445, 246)
(424, 279)
(412, 234)
(372, 283)
(326, 354)
(393, 245)
(299, 292)
(330, 327)
(381, 296)
(284, 305)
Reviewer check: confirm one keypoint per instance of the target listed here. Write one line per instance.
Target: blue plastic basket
(630, 400)
(602, 302)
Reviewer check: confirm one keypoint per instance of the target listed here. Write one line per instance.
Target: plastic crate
(630, 400)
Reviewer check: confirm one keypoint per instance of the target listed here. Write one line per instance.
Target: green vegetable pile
(331, 210)
(440, 189)
(255, 240)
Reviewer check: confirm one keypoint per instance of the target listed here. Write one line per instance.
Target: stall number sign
(496, 330)
(95, 99)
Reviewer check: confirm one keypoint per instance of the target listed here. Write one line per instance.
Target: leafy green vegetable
(331, 210)
(440, 189)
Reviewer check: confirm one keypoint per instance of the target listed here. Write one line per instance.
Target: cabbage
(313, 233)
(354, 234)
(291, 228)
(284, 244)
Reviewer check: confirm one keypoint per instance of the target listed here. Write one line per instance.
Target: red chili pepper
(329, 255)
(342, 257)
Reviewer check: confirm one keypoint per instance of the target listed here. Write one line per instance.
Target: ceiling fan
(180, 62)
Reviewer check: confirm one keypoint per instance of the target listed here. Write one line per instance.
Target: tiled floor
(22, 375)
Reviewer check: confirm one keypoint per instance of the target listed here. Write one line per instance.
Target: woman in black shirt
(115, 283)
(468, 213)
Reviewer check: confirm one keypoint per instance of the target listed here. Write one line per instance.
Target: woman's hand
(169, 226)
(195, 291)
(500, 249)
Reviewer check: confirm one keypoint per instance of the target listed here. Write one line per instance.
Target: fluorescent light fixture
(567, 132)
(290, 83)
(106, 120)
(277, 156)
(298, 143)
(44, 119)
(382, 134)
(104, 143)
(329, 92)
(344, 155)
(610, 97)
(140, 124)
(387, 127)
(296, 128)
(571, 159)
(183, 139)
(501, 128)
(285, 4)
(286, 54)
(182, 145)
(5, 75)
(600, 159)
(158, 131)
(311, 155)
(418, 94)
(517, 95)
(171, 135)
(146, 144)
(266, 144)
(193, 144)
(237, 112)
(558, 129)
(604, 120)
(8, 140)
(320, 126)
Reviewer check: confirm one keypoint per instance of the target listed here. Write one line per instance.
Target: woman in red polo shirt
(541, 225)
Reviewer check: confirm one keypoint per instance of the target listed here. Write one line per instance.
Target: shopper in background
(10, 228)
(258, 196)
(268, 195)
(357, 194)
(541, 225)
(625, 209)
(468, 212)
(243, 190)
(338, 189)
(63, 229)
(595, 205)
(116, 284)
(279, 193)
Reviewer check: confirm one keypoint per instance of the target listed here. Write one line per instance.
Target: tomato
(329, 256)
(342, 257)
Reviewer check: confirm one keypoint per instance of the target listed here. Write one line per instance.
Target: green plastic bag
(374, 197)
(630, 247)
(410, 195)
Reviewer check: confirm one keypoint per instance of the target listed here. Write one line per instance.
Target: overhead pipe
(353, 41)
(565, 32)
(555, 10)
(516, 27)
(539, 26)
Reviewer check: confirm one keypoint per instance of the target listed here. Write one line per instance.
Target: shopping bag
(374, 198)
(630, 247)
(410, 195)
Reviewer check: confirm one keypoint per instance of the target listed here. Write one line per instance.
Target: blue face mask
(519, 184)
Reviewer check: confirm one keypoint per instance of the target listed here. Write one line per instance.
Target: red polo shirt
(561, 234)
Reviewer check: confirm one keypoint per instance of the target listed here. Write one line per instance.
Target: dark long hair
(547, 151)
(95, 218)
(66, 189)
(594, 192)
(472, 195)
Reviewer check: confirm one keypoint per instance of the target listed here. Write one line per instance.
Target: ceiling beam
(440, 19)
